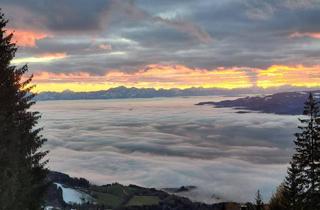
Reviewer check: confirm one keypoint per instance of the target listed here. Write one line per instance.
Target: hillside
(287, 103)
(67, 193)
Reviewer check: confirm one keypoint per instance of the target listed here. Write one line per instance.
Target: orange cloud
(153, 76)
(26, 38)
(310, 35)
(105, 47)
(43, 58)
(299, 76)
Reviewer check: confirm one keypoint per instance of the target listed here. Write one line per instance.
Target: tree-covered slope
(118, 197)
(290, 103)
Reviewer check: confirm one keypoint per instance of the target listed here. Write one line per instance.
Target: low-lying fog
(169, 142)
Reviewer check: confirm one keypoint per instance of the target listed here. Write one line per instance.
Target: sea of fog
(169, 142)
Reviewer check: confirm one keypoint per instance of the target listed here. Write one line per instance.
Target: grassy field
(143, 201)
(116, 195)
(108, 199)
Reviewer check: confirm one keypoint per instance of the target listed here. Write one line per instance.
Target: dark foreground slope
(289, 103)
(119, 197)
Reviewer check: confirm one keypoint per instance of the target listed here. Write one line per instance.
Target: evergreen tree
(292, 188)
(307, 157)
(22, 168)
(279, 200)
(259, 203)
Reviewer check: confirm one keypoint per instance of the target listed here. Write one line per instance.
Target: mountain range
(124, 92)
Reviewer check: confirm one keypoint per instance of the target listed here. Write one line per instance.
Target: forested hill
(77, 193)
(289, 103)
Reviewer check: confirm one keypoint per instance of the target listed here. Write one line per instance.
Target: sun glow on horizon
(153, 76)
(178, 76)
(297, 76)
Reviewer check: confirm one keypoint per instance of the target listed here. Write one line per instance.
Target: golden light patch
(153, 76)
(299, 76)
(73, 86)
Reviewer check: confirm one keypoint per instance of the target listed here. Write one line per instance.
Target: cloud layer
(127, 36)
(169, 143)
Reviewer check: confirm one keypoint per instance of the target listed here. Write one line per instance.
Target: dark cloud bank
(204, 33)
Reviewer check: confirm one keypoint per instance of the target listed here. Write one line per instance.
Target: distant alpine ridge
(288, 103)
(124, 92)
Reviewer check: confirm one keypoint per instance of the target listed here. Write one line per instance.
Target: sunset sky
(83, 45)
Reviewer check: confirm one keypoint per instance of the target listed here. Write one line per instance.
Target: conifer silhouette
(302, 184)
(22, 165)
